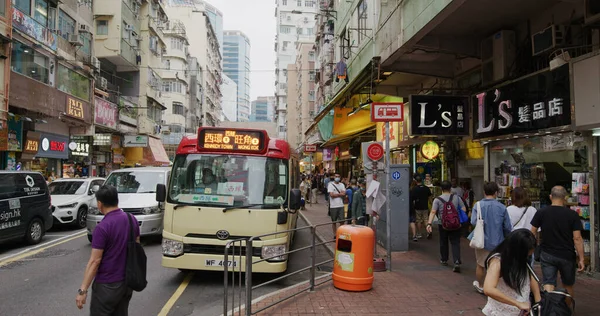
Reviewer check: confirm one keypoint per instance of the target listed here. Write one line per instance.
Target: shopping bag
(478, 240)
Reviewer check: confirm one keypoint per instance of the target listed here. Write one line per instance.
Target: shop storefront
(11, 142)
(102, 158)
(52, 150)
(79, 163)
(144, 150)
(526, 128)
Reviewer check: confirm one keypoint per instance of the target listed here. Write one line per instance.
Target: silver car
(137, 196)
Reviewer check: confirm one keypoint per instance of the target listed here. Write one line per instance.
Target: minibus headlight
(172, 248)
(150, 210)
(275, 250)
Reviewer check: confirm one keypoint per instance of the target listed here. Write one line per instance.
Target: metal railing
(245, 251)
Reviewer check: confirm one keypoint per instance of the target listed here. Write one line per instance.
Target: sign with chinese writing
(394, 133)
(527, 105)
(32, 143)
(439, 115)
(222, 139)
(387, 112)
(430, 150)
(105, 113)
(53, 146)
(31, 27)
(310, 148)
(80, 146)
(75, 108)
(133, 141)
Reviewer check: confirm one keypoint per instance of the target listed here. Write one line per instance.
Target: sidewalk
(417, 285)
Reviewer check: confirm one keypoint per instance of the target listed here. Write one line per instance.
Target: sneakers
(418, 236)
(478, 288)
(415, 238)
(456, 268)
(444, 263)
(429, 235)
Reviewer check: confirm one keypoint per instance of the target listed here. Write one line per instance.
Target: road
(43, 280)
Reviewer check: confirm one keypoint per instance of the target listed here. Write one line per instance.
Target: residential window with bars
(311, 75)
(66, 24)
(311, 95)
(309, 3)
(177, 43)
(101, 27)
(311, 56)
(285, 29)
(362, 20)
(178, 108)
(283, 2)
(299, 2)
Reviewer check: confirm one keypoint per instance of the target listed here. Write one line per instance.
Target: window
(73, 83)
(285, 45)
(311, 75)
(310, 31)
(23, 6)
(167, 64)
(362, 20)
(311, 95)
(285, 29)
(282, 129)
(284, 2)
(173, 86)
(178, 108)
(30, 63)
(40, 13)
(126, 31)
(3, 7)
(311, 56)
(309, 3)
(66, 24)
(299, 3)
(299, 31)
(86, 39)
(101, 27)
(135, 181)
(154, 44)
(175, 128)
(155, 113)
(177, 43)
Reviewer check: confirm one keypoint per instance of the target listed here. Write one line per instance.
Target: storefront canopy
(340, 138)
(155, 154)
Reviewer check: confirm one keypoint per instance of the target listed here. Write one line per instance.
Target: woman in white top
(521, 212)
(508, 282)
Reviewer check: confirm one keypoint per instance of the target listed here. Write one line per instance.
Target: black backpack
(135, 267)
(553, 303)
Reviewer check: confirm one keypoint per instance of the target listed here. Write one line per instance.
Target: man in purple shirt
(106, 267)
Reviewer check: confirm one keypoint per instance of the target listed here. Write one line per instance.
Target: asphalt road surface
(43, 280)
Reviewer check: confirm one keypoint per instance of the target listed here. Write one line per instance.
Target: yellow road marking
(36, 251)
(171, 302)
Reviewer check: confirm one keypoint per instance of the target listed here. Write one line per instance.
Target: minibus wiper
(241, 206)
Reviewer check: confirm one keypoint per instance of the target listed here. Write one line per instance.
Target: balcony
(157, 26)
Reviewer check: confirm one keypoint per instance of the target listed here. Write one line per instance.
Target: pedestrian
(456, 189)
(496, 227)
(314, 189)
(106, 267)
(337, 192)
(447, 236)
(508, 282)
(303, 190)
(326, 180)
(561, 236)
(420, 196)
(358, 207)
(353, 187)
(412, 214)
(521, 212)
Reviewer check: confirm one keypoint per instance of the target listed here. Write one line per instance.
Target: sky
(256, 19)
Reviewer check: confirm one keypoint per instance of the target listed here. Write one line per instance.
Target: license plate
(220, 263)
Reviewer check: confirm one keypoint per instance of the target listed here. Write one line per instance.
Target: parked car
(25, 206)
(137, 196)
(72, 198)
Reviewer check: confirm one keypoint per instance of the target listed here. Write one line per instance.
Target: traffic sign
(396, 175)
(375, 151)
(310, 148)
(387, 112)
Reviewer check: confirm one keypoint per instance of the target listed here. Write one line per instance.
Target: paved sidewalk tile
(417, 285)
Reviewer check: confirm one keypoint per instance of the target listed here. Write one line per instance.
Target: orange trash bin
(353, 263)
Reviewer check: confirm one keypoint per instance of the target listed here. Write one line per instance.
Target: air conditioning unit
(95, 63)
(75, 40)
(548, 39)
(84, 28)
(139, 38)
(128, 27)
(103, 83)
(592, 11)
(497, 56)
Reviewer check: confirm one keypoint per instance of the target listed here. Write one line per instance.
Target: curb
(261, 298)
(321, 239)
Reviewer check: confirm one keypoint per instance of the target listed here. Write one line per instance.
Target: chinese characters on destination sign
(231, 140)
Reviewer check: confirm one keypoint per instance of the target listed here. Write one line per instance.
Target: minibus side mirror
(161, 192)
(295, 199)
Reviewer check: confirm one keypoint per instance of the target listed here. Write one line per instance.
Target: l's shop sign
(439, 115)
(536, 102)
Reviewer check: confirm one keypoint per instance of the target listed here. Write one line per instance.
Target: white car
(72, 198)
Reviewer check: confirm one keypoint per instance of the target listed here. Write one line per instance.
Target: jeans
(314, 195)
(110, 299)
(552, 265)
(452, 236)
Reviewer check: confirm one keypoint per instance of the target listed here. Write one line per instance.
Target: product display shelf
(580, 203)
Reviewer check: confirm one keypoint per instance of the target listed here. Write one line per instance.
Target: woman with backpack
(508, 282)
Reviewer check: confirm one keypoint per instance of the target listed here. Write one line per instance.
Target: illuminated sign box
(217, 139)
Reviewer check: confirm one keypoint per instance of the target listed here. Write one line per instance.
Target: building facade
(295, 22)
(236, 65)
(230, 93)
(216, 21)
(262, 109)
(5, 52)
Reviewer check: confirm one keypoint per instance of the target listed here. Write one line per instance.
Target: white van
(137, 196)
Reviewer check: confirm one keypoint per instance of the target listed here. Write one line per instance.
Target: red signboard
(387, 112)
(310, 148)
(375, 151)
(106, 113)
(57, 146)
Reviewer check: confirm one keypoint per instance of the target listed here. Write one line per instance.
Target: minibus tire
(37, 225)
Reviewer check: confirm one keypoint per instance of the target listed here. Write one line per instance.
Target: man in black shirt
(562, 245)
(419, 197)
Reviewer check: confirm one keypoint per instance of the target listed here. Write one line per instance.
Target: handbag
(135, 266)
(553, 303)
(478, 240)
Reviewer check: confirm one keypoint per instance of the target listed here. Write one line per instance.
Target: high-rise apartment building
(236, 65)
(229, 88)
(304, 69)
(216, 20)
(261, 109)
(295, 22)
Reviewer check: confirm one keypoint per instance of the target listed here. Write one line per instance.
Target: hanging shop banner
(32, 143)
(381, 132)
(537, 102)
(31, 27)
(345, 123)
(135, 141)
(74, 108)
(115, 142)
(438, 115)
(106, 113)
(327, 154)
(53, 146)
(80, 146)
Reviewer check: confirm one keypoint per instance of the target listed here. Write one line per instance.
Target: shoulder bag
(135, 267)
(478, 240)
(553, 303)
(346, 200)
(520, 218)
